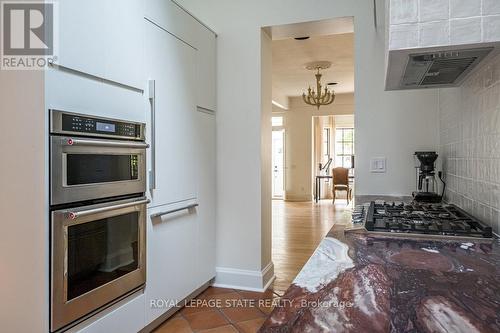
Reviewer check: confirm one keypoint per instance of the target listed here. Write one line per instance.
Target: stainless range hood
(429, 46)
(435, 67)
(441, 69)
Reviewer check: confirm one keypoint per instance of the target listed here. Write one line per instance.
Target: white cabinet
(181, 242)
(172, 18)
(123, 53)
(206, 195)
(82, 40)
(103, 39)
(206, 68)
(127, 316)
(66, 91)
(171, 63)
(172, 257)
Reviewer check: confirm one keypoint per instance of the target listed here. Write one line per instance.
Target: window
(277, 121)
(325, 146)
(344, 147)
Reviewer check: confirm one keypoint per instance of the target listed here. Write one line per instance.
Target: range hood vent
(441, 69)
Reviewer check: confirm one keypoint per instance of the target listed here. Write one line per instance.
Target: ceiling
(290, 78)
(338, 25)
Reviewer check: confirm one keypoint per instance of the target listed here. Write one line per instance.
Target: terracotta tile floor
(298, 228)
(220, 310)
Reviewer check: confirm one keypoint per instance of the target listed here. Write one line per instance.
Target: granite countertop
(360, 282)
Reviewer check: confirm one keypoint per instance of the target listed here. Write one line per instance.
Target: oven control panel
(93, 126)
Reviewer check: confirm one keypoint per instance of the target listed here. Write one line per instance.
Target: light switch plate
(378, 164)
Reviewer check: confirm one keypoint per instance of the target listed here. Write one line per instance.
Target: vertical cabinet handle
(152, 101)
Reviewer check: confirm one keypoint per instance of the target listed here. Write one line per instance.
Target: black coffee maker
(427, 186)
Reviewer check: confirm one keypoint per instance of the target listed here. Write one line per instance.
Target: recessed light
(301, 38)
(332, 83)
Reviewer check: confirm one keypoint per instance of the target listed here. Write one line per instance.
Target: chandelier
(318, 97)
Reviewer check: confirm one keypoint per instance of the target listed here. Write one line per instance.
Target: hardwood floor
(298, 228)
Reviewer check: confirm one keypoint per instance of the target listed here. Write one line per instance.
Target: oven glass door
(98, 255)
(101, 251)
(86, 169)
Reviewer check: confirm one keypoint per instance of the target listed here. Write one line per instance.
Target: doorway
(278, 159)
(303, 136)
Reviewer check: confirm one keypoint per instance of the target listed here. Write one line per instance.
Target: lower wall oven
(98, 255)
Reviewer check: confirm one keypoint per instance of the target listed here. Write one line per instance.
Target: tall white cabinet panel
(171, 63)
(124, 51)
(172, 18)
(82, 37)
(103, 38)
(206, 68)
(206, 195)
(172, 257)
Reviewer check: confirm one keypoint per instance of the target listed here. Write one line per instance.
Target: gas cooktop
(424, 219)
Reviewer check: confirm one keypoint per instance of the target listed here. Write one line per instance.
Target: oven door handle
(74, 215)
(97, 143)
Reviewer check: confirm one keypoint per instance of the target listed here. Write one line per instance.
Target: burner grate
(419, 218)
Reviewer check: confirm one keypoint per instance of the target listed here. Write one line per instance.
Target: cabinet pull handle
(152, 101)
(173, 211)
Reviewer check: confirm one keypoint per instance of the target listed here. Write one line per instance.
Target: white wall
(23, 205)
(298, 153)
(266, 149)
(391, 124)
(344, 121)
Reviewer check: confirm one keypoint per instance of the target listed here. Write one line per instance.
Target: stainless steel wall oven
(98, 213)
(94, 158)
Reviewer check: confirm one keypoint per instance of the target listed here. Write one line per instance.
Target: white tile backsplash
(434, 10)
(404, 36)
(465, 8)
(468, 22)
(491, 26)
(464, 31)
(435, 33)
(404, 11)
(491, 7)
(469, 119)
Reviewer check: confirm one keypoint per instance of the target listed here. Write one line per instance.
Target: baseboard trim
(245, 279)
(298, 197)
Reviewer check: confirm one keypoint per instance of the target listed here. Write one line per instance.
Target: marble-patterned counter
(360, 282)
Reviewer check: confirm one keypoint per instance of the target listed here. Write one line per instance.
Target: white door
(278, 163)
(171, 63)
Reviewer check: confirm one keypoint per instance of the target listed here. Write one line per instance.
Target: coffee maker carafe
(427, 186)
